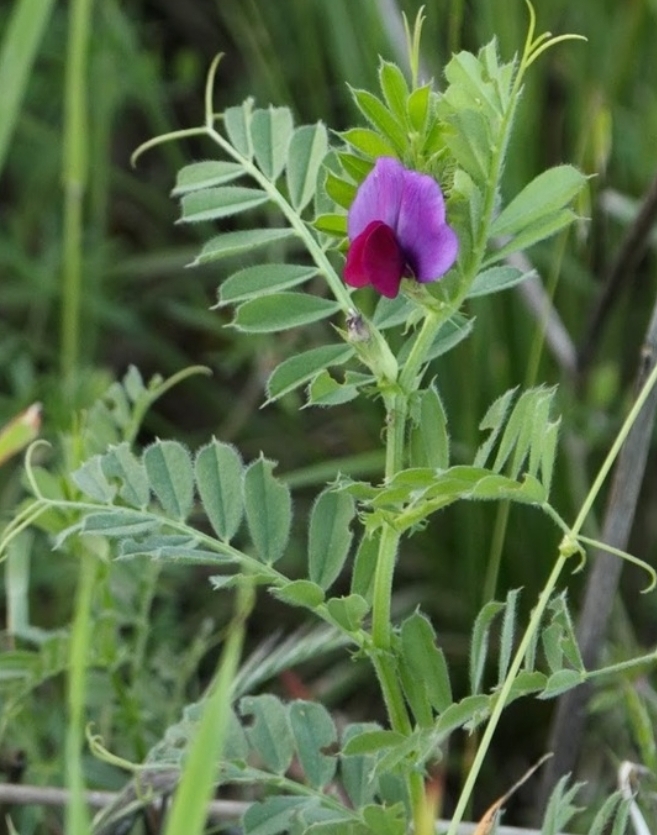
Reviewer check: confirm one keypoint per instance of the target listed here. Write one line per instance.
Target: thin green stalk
(381, 602)
(74, 177)
(496, 548)
(386, 671)
(409, 379)
(77, 816)
(567, 549)
(613, 452)
(538, 342)
(131, 713)
(622, 555)
(143, 405)
(143, 623)
(455, 24)
(162, 139)
(380, 653)
(396, 417)
(396, 413)
(23, 520)
(623, 666)
(501, 701)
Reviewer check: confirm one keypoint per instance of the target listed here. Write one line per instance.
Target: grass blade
(19, 47)
(189, 810)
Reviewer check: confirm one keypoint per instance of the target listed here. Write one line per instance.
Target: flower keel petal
(375, 258)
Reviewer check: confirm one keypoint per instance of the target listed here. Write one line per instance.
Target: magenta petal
(355, 273)
(435, 260)
(378, 197)
(375, 258)
(429, 244)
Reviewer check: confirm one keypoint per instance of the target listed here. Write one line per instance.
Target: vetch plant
(415, 200)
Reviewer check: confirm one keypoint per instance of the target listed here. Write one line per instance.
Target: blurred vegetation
(593, 104)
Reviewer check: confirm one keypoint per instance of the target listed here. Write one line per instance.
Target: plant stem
(396, 410)
(397, 404)
(74, 176)
(386, 671)
(623, 666)
(77, 819)
(496, 548)
(396, 417)
(455, 24)
(381, 604)
(409, 377)
(613, 452)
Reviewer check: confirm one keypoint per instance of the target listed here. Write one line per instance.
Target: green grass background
(92, 279)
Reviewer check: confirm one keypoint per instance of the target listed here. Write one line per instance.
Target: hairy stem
(397, 405)
(385, 567)
(77, 819)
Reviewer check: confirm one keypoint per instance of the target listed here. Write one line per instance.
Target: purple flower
(397, 229)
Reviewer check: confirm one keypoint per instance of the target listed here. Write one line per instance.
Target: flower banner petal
(429, 244)
(378, 197)
(438, 255)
